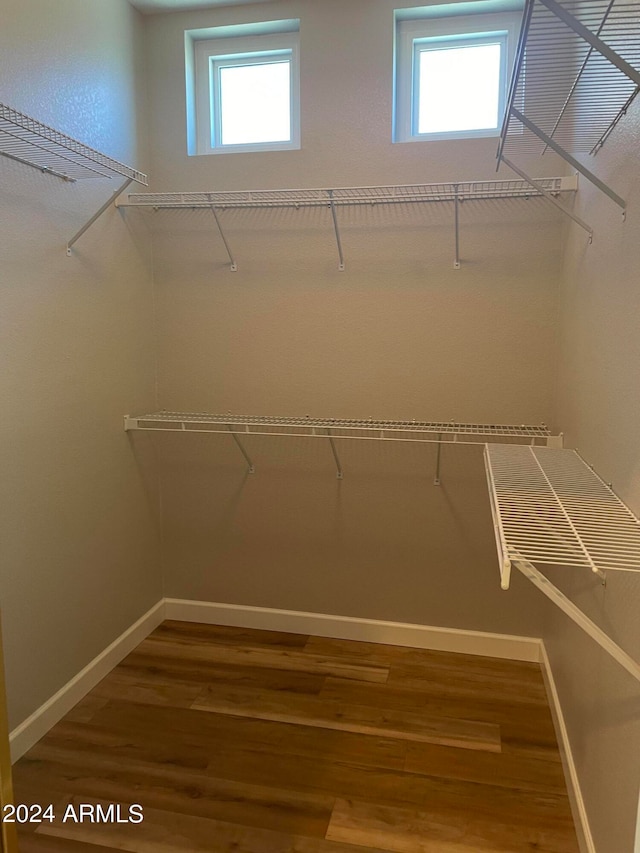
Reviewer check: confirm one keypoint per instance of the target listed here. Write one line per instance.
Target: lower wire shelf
(333, 429)
(550, 508)
(365, 428)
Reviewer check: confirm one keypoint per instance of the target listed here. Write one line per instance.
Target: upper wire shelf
(454, 193)
(565, 85)
(402, 194)
(28, 141)
(576, 72)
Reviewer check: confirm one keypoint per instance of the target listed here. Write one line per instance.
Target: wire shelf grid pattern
(567, 88)
(338, 427)
(27, 140)
(551, 508)
(410, 193)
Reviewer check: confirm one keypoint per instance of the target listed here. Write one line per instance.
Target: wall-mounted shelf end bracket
(111, 200)
(573, 612)
(549, 196)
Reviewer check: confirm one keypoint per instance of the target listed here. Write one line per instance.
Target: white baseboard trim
(578, 809)
(353, 628)
(24, 736)
(511, 647)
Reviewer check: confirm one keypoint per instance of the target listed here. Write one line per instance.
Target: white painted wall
(599, 409)
(79, 543)
(399, 334)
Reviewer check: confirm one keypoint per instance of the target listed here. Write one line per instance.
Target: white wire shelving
(452, 193)
(576, 72)
(550, 508)
(335, 429)
(28, 141)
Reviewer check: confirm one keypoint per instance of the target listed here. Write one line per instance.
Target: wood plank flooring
(240, 741)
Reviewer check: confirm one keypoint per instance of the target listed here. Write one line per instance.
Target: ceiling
(149, 7)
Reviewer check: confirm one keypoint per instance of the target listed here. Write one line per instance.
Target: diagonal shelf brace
(573, 612)
(456, 208)
(234, 266)
(549, 196)
(436, 479)
(97, 215)
(569, 159)
(252, 469)
(339, 473)
(336, 229)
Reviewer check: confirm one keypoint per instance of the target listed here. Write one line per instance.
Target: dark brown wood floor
(244, 741)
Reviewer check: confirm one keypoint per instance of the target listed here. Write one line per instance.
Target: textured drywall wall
(398, 334)
(599, 409)
(79, 540)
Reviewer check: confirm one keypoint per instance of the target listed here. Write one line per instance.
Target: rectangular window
(246, 92)
(451, 76)
(252, 99)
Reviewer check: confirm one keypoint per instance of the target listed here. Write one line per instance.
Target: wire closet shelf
(341, 196)
(452, 193)
(28, 141)
(563, 83)
(332, 429)
(366, 428)
(550, 508)
(576, 72)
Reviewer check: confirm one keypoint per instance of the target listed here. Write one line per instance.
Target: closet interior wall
(599, 409)
(398, 334)
(79, 537)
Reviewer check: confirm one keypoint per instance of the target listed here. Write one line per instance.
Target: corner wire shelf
(454, 193)
(550, 508)
(338, 429)
(28, 141)
(576, 73)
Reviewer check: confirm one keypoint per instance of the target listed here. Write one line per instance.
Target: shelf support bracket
(573, 612)
(337, 231)
(436, 479)
(339, 474)
(234, 266)
(97, 215)
(549, 196)
(551, 143)
(252, 469)
(456, 260)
